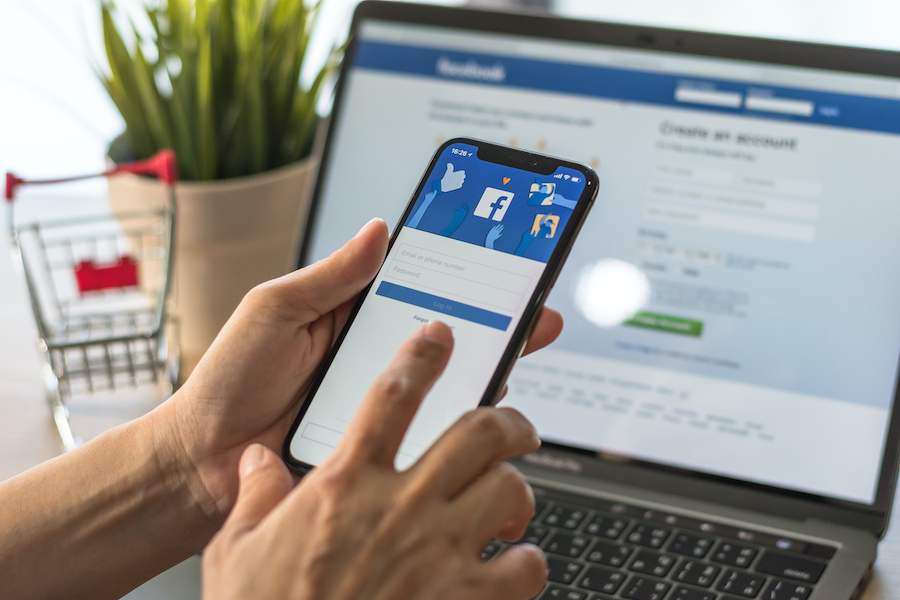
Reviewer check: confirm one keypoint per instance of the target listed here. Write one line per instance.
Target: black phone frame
(493, 153)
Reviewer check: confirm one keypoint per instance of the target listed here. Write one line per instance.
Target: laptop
(718, 414)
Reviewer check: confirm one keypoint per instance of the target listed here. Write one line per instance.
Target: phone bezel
(539, 164)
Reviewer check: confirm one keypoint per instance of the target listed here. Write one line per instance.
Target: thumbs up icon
(452, 180)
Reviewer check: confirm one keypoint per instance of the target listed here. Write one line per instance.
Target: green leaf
(224, 91)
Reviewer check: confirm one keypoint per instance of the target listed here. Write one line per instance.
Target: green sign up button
(666, 323)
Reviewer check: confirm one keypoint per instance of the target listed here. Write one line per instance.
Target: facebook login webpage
(471, 254)
(732, 305)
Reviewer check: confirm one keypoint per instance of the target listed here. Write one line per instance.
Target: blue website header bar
(682, 91)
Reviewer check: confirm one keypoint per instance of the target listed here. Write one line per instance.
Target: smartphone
(478, 247)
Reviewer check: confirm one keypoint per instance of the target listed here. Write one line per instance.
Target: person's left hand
(246, 388)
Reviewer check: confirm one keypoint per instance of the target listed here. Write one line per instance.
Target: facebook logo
(493, 204)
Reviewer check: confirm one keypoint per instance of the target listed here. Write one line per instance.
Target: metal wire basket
(98, 286)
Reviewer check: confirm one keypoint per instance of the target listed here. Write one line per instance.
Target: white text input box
(736, 200)
(322, 435)
(463, 279)
(706, 175)
(785, 106)
(709, 219)
(709, 97)
(783, 186)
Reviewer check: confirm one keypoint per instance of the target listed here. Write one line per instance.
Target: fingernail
(252, 458)
(435, 331)
(366, 226)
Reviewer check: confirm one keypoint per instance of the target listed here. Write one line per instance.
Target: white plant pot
(230, 235)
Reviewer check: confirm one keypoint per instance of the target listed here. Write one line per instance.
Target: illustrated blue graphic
(451, 181)
(545, 225)
(541, 194)
(514, 211)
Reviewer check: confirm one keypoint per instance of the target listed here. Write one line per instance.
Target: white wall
(55, 117)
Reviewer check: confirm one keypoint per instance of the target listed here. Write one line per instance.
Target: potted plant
(218, 82)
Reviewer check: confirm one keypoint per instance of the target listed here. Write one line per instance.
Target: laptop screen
(732, 305)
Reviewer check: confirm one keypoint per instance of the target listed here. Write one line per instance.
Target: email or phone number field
(428, 270)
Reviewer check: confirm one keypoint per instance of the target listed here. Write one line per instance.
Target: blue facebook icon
(493, 204)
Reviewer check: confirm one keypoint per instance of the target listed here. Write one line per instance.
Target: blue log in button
(443, 305)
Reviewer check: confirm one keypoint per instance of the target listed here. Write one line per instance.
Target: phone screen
(472, 250)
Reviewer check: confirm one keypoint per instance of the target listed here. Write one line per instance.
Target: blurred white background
(55, 114)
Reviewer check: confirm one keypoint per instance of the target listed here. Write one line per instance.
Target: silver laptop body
(728, 368)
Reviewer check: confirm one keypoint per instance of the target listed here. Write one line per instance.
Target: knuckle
(334, 480)
(393, 384)
(259, 295)
(512, 480)
(487, 427)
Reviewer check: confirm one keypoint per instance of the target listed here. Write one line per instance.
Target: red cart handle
(162, 165)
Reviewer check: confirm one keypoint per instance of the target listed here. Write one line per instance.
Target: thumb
(264, 482)
(449, 169)
(323, 286)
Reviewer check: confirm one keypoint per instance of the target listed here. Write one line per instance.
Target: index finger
(375, 434)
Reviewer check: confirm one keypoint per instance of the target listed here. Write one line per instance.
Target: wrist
(177, 453)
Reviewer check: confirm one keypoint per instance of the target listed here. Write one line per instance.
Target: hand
(357, 529)
(452, 180)
(246, 388)
(459, 215)
(493, 235)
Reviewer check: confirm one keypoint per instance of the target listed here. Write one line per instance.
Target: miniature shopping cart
(98, 286)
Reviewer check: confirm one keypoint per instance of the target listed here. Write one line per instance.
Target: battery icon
(576, 179)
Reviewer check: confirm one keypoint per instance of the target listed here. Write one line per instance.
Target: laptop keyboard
(601, 550)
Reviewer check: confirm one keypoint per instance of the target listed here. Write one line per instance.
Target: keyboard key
(652, 563)
(645, 588)
(820, 551)
(608, 527)
(697, 573)
(492, 550)
(793, 567)
(555, 592)
(743, 584)
(566, 517)
(735, 555)
(648, 535)
(609, 554)
(562, 570)
(568, 545)
(600, 579)
(535, 534)
(786, 590)
(691, 545)
(686, 593)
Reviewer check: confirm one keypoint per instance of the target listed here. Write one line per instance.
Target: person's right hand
(356, 529)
